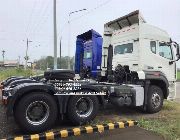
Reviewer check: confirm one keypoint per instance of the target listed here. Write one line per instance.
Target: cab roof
(127, 20)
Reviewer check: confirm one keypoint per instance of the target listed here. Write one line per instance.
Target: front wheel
(155, 99)
(36, 112)
(82, 109)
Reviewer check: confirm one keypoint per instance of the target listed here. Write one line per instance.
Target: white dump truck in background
(140, 46)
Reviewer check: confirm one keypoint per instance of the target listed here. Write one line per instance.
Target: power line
(36, 33)
(30, 18)
(37, 26)
(93, 9)
(89, 11)
(40, 11)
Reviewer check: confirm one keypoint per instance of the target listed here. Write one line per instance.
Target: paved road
(133, 133)
(9, 127)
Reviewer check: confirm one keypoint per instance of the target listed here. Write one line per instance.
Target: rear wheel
(36, 112)
(155, 99)
(82, 109)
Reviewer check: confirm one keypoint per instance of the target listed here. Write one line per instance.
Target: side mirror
(177, 52)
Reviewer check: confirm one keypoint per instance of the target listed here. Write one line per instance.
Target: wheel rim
(37, 112)
(156, 100)
(84, 107)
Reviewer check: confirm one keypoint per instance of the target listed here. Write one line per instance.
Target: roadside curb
(76, 131)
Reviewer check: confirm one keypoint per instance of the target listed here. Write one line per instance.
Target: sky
(33, 19)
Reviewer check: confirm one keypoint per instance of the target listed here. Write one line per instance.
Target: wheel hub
(84, 107)
(156, 100)
(37, 112)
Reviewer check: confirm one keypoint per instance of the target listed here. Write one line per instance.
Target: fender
(157, 75)
(3, 82)
(160, 79)
(26, 88)
(11, 79)
(21, 81)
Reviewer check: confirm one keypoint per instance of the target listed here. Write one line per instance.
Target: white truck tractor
(141, 47)
(138, 69)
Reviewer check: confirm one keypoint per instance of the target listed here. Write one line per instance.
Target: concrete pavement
(131, 133)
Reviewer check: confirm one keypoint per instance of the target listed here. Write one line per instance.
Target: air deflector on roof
(127, 20)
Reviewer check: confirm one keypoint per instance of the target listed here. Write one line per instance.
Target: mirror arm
(171, 62)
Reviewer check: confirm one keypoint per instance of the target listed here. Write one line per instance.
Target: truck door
(165, 55)
(126, 53)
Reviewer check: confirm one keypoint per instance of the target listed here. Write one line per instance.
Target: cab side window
(153, 46)
(165, 51)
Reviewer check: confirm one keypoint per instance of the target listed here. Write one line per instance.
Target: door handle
(159, 67)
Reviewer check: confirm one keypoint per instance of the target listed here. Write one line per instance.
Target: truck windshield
(87, 55)
(124, 48)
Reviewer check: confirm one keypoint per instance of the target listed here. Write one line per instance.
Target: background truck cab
(88, 54)
(141, 46)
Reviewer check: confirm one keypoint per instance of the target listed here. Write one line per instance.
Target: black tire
(155, 99)
(73, 114)
(25, 105)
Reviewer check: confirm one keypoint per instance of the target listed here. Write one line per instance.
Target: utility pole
(55, 35)
(26, 57)
(69, 42)
(19, 59)
(3, 54)
(60, 53)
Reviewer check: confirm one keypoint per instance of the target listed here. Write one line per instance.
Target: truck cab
(88, 54)
(140, 46)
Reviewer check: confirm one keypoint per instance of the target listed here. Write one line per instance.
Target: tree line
(48, 62)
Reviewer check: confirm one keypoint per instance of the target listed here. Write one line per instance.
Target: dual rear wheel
(38, 111)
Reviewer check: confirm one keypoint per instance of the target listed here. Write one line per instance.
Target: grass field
(178, 75)
(167, 124)
(14, 72)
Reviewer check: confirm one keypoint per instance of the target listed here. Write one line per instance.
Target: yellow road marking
(121, 124)
(35, 137)
(89, 129)
(50, 136)
(64, 133)
(18, 138)
(131, 123)
(77, 131)
(111, 125)
(100, 128)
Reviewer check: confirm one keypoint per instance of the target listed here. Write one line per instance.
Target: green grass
(14, 72)
(167, 124)
(178, 75)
